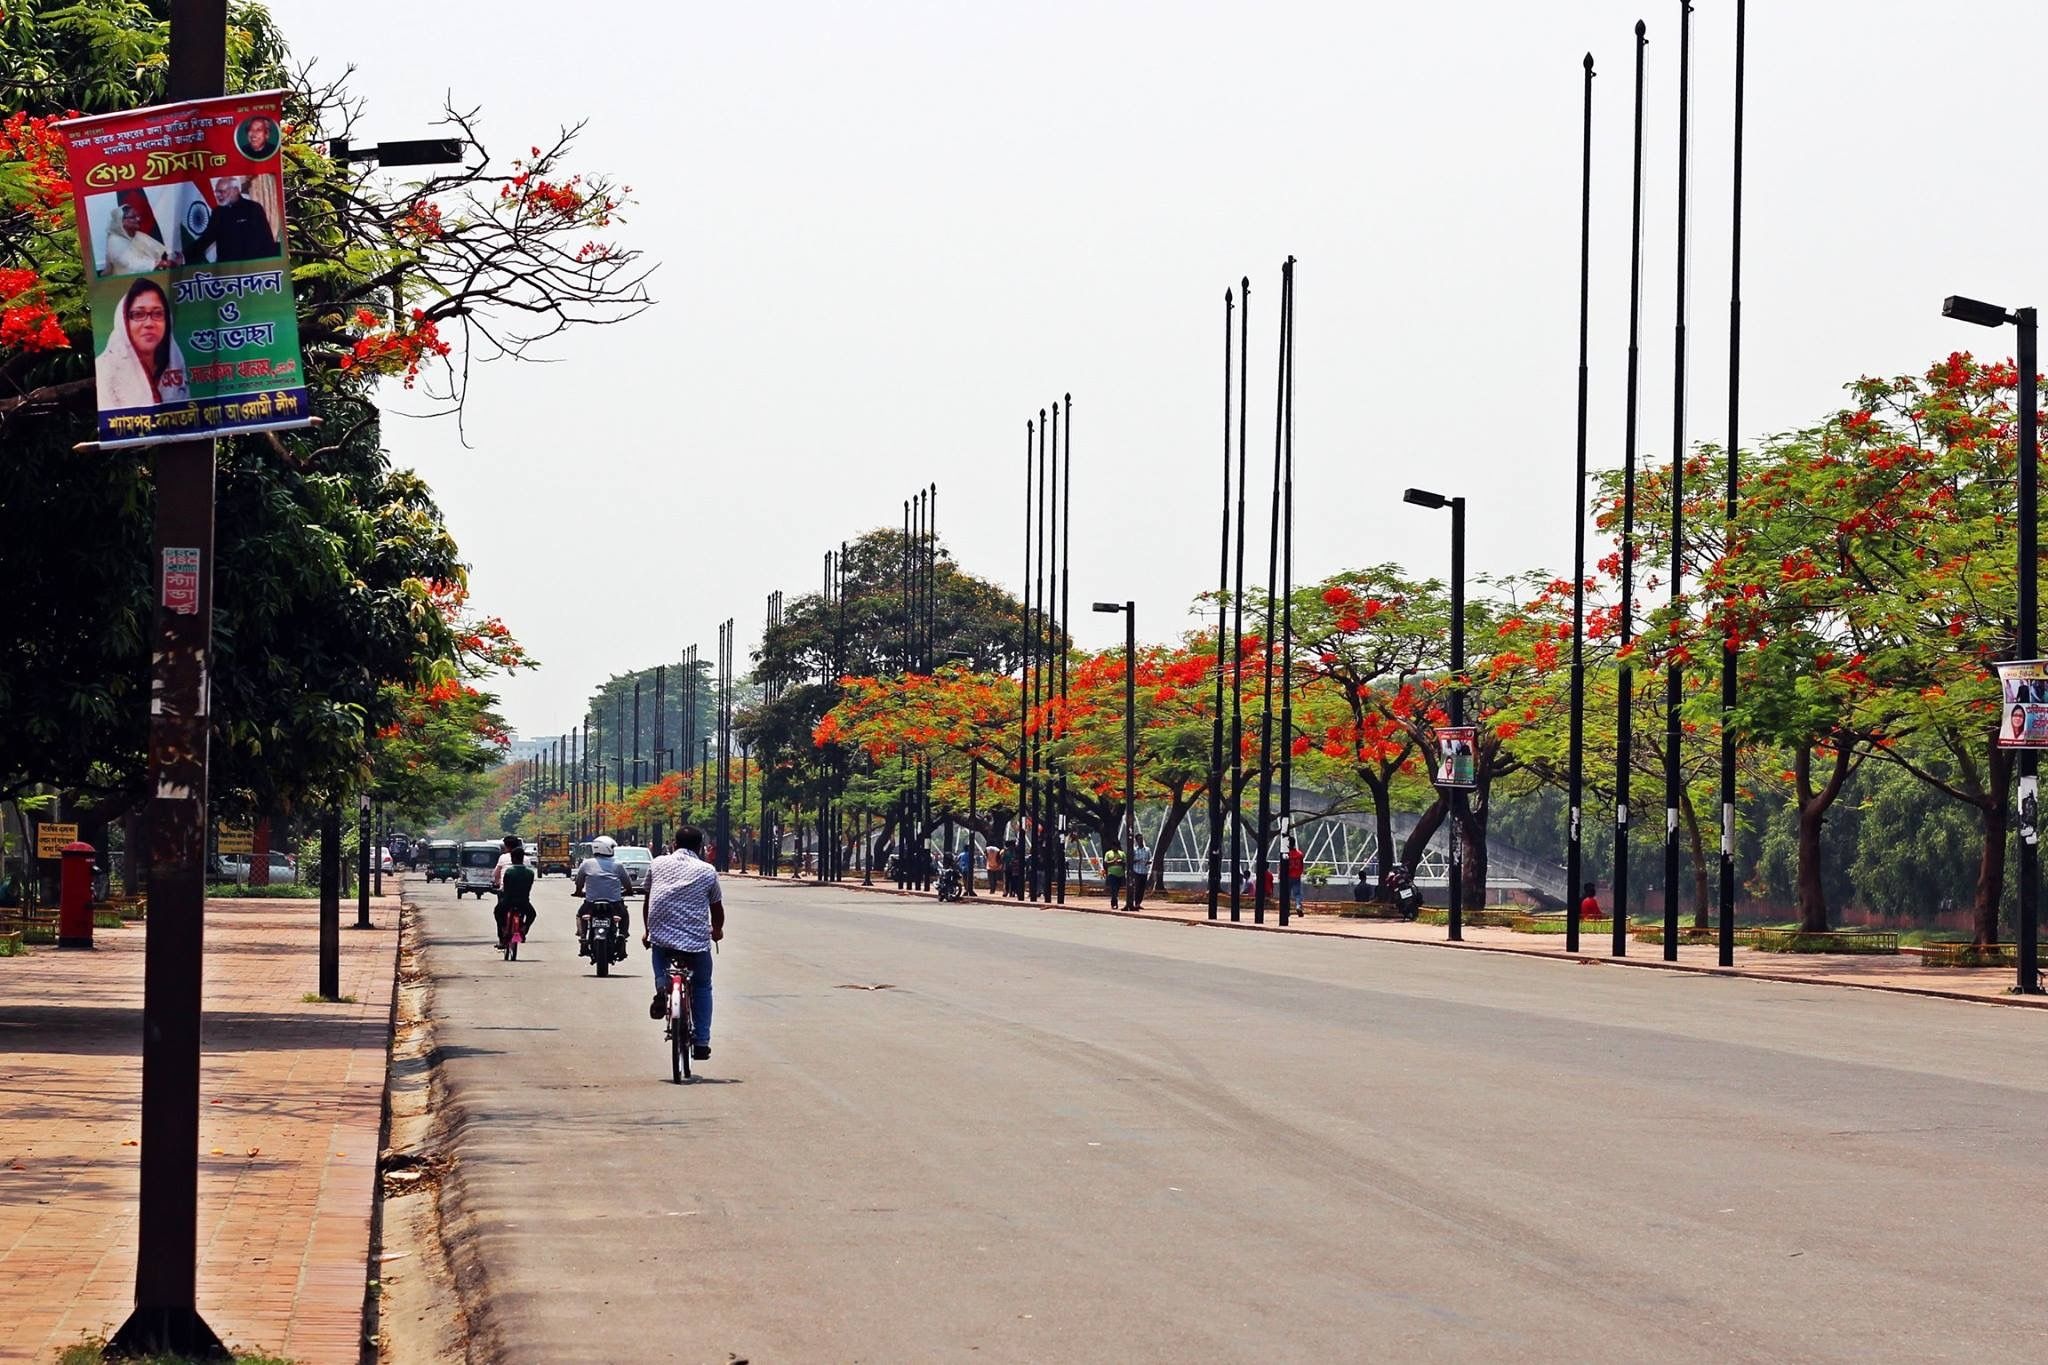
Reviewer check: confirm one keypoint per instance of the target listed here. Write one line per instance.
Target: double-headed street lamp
(1130, 614)
(2028, 321)
(1421, 497)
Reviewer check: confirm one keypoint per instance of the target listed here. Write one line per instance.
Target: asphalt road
(1071, 1137)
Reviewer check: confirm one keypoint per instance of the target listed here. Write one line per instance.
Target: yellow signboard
(235, 840)
(51, 838)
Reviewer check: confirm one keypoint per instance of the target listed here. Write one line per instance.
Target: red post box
(74, 897)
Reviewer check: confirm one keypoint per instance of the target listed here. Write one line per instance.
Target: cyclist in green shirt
(515, 892)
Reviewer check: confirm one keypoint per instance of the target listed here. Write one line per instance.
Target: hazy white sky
(889, 232)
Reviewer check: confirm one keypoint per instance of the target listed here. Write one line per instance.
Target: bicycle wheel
(678, 1054)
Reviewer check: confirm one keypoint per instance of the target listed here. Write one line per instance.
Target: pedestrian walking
(1113, 873)
(992, 859)
(1297, 864)
(963, 863)
(1141, 870)
(1013, 866)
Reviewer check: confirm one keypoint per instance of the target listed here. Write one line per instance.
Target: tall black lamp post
(1130, 612)
(2028, 645)
(1423, 498)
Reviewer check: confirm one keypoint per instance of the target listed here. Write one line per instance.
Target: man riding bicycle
(684, 916)
(601, 881)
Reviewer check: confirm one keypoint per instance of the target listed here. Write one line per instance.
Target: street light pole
(166, 1315)
(363, 861)
(2028, 644)
(1458, 798)
(1244, 393)
(1130, 611)
(1574, 850)
(1625, 736)
(1420, 497)
(1725, 930)
(1674, 672)
(1222, 607)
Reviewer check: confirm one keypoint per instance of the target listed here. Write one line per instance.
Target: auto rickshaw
(442, 860)
(479, 859)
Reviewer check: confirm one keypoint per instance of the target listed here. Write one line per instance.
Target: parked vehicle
(390, 863)
(234, 867)
(638, 864)
(950, 888)
(553, 854)
(479, 861)
(444, 856)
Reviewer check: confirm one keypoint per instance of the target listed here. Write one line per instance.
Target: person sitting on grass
(515, 895)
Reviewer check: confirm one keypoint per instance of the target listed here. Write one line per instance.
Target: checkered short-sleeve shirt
(681, 887)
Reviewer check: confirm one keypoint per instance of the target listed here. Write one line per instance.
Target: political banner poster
(1456, 761)
(181, 229)
(2023, 716)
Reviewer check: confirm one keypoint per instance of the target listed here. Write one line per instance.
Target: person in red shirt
(1297, 862)
(1589, 907)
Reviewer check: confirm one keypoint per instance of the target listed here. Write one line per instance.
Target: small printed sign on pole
(235, 840)
(51, 838)
(1456, 756)
(181, 580)
(2023, 716)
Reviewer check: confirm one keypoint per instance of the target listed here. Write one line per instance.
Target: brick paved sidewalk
(1888, 971)
(291, 1102)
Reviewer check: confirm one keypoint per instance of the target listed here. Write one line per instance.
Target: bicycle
(682, 1026)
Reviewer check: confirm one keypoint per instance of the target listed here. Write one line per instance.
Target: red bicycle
(682, 1026)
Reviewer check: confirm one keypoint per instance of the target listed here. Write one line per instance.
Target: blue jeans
(699, 965)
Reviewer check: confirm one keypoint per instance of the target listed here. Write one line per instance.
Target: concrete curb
(456, 1224)
(1578, 959)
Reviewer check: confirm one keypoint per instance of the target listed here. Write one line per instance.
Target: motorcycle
(950, 888)
(600, 933)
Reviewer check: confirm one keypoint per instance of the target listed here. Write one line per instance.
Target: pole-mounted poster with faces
(1457, 764)
(181, 228)
(2023, 709)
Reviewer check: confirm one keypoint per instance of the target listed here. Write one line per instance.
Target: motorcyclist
(601, 881)
(515, 897)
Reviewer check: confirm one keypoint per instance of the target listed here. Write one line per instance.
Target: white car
(234, 867)
(638, 864)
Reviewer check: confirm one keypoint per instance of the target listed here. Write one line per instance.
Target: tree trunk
(131, 853)
(1383, 831)
(1176, 811)
(1813, 899)
(1699, 861)
(259, 852)
(1472, 855)
(1419, 837)
(1997, 817)
(1812, 808)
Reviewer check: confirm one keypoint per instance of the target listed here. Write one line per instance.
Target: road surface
(1003, 1134)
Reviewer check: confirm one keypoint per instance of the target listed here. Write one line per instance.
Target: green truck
(553, 854)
